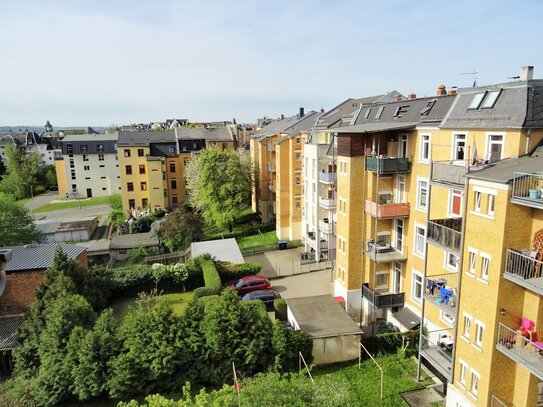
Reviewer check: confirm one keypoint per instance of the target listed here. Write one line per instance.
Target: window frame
(485, 265)
(414, 282)
(417, 235)
(425, 138)
(477, 201)
(466, 332)
(448, 265)
(475, 378)
(464, 367)
(479, 332)
(420, 181)
(455, 193)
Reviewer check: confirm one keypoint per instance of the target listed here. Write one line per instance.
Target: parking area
(304, 285)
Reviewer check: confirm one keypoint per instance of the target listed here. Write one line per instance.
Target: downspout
(362, 268)
(528, 135)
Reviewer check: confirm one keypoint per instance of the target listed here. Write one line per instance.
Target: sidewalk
(41, 200)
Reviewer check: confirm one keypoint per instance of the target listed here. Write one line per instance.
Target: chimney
(282, 116)
(301, 112)
(452, 92)
(441, 90)
(322, 109)
(411, 96)
(527, 73)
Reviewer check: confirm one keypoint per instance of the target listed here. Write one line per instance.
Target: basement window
(379, 112)
(476, 101)
(490, 99)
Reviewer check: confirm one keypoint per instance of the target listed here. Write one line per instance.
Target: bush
(280, 307)
(392, 341)
(212, 280)
(204, 292)
(230, 271)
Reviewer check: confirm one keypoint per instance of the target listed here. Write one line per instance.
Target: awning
(407, 318)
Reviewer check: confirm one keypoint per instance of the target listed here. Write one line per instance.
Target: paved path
(41, 200)
(74, 213)
(304, 285)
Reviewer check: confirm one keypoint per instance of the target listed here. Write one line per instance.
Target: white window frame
(397, 266)
(477, 201)
(475, 378)
(452, 194)
(463, 371)
(400, 191)
(414, 282)
(343, 167)
(488, 144)
(423, 141)
(446, 259)
(382, 286)
(485, 265)
(343, 206)
(342, 245)
(415, 252)
(491, 204)
(455, 140)
(421, 180)
(472, 261)
(341, 273)
(479, 331)
(466, 333)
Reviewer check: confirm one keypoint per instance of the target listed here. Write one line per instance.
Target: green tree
(220, 184)
(23, 172)
(180, 228)
(16, 223)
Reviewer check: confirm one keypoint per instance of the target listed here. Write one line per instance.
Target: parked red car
(250, 283)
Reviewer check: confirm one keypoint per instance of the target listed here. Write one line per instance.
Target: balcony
(327, 177)
(520, 349)
(383, 299)
(437, 348)
(383, 253)
(271, 167)
(326, 227)
(496, 402)
(522, 268)
(528, 190)
(445, 233)
(388, 165)
(442, 291)
(327, 203)
(387, 210)
(312, 241)
(451, 173)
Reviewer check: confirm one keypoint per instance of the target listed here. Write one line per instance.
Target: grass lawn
(178, 302)
(213, 232)
(23, 201)
(70, 204)
(363, 385)
(257, 240)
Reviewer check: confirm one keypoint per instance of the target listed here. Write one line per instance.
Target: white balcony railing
(327, 203)
(326, 227)
(450, 172)
(327, 177)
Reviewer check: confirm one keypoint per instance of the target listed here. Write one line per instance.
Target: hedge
(280, 306)
(212, 280)
(391, 342)
(248, 231)
(231, 271)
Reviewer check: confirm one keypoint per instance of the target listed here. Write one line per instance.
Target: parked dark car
(250, 283)
(267, 296)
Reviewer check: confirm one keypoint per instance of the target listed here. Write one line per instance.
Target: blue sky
(100, 62)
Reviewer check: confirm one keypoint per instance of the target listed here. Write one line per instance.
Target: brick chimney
(452, 92)
(441, 90)
(302, 112)
(322, 109)
(411, 96)
(282, 116)
(527, 73)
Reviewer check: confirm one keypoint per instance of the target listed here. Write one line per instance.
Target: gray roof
(202, 133)
(144, 138)
(90, 137)
(96, 246)
(321, 316)
(221, 249)
(9, 327)
(132, 241)
(302, 126)
(277, 127)
(375, 127)
(38, 256)
(335, 114)
(520, 104)
(47, 226)
(503, 171)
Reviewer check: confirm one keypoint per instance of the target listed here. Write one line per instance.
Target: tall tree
(23, 172)
(180, 228)
(16, 224)
(220, 184)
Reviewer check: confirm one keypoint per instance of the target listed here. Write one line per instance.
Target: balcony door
(398, 234)
(397, 277)
(402, 147)
(400, 189)
(459, 149)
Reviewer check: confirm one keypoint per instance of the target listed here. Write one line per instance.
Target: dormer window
(400, 110)
(379, 112)
(428, 107)
(476, 101)
(367, 114)
(490, 99)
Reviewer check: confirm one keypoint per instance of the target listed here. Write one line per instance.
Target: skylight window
(476, 101)
(379, 112)
(490, 99)
(428, 107)
(367, 114)
(400, 110)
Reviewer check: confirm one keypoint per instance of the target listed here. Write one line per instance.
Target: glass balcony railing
(388, 165)
(327, 177)
(445, 233)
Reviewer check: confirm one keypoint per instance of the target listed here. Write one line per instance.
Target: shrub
(280, 307)
(231, 271)
(212, 279)
(392, 341)
(204, 292)
(287, 345)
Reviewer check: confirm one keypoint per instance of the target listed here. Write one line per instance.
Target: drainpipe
(363, 266)
(528, 134)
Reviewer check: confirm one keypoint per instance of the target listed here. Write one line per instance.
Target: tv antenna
(474, 74)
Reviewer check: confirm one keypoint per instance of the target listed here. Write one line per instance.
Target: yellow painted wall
(62, 182)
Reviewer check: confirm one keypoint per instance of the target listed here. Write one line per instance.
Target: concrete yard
(304, 285)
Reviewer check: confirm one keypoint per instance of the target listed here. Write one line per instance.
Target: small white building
(75, 230)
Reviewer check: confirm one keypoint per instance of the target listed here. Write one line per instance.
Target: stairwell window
(424, 151)
(420, 240)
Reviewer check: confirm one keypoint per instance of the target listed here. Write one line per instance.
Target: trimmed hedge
(231, 271)
(391, 342)
(212, 280)
(248, 231)
(280, 306)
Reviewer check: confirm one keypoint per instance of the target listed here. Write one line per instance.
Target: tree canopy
(180, 228)
(23, 172)
(16, 223)
(220, 184)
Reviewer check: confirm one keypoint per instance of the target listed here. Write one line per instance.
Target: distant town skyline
(98, 63)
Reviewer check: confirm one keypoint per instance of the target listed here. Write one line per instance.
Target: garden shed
(221, 249)
(336, 337)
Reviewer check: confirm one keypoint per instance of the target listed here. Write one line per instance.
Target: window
(341, 273)
(494, 148)
(367, 114)
(484, 266)
(491, 202)
(140, 152)
(86, 167)
(343, 206)
(143, 186)
(476, 101)
(472, 260)
(130, 186)
(446, 317)
(142, 168)
(416, 289)
(171, 150)
(401, 110)
(490, 99)
(172, 167)
(85, 157)
(479, 329)
(173, 184)
(455, 203)
(420, 233)
(126, 152)
(342, 244)
(100, 157)
(144, 203)
(131, 203)
(343, 167)
(474, 381)
(128, 169)
(463, 371)
(422, 195)
(298, 204)
(379, 112)
(297, 140)
(69, 149)
(174, 200)
(381, 280)
(467, 325)
(99, 148)
(298, 156)
(451, 261)
(426, 110)
(477, 203)
(459, 147)
(298, 180)
(84, 148)
(424, 153)
(101, 166)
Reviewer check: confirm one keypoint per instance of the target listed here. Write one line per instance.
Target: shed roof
(221, 249)
(38, 256)
(321, 316)
(132, 241)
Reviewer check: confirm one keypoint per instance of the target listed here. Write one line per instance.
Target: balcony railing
(437, 348)
(384, 254)
(445, 233)
(496, 402)
(442, 290)
(327, 203)
(450, 172)
(271, 167)
(520, 349)
(390, 210)
(327, 177)
(522, 268)
(383, 300)
(387, 165)
(528, 190)
(326, 227)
